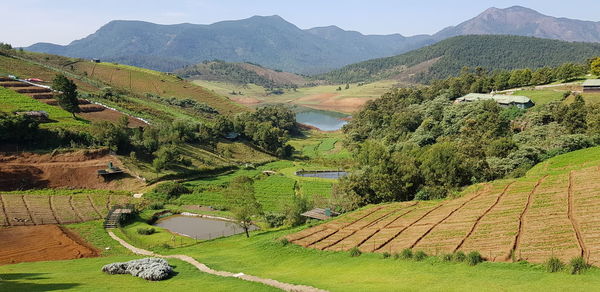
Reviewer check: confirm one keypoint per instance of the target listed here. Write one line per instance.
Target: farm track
(323, 227)
(519, 234)
(53, 209)
(478, 220)
(381, 246)
(7, 222)
(445, 218)
(390, 223)
(27, 209)
(94, 207)
(75, 209)
(571, 214)
(375, 221)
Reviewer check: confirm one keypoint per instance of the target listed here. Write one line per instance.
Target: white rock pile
(153, 269)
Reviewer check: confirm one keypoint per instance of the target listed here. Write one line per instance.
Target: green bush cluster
(355, 252)
(146, 231)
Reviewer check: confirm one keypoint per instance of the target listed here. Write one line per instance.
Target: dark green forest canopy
(493, 52)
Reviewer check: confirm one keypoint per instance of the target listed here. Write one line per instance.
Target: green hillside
(448, 57)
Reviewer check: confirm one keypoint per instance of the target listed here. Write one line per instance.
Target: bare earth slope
(75, 170)
(550, 212)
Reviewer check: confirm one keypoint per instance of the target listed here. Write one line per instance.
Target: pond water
(324, 120)
(200, 228)
(322, 174)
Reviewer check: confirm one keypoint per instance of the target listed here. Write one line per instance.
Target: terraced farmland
(549, 212)
(18, 210)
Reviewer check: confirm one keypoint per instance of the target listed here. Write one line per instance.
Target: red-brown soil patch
(111, 116)
(41, 243)
(76, 170)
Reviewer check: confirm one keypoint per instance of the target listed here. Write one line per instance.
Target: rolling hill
(448, 57)
(241, 74)
(549, 212)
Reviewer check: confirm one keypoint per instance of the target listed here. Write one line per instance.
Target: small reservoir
(199, 227)
(323, 120)
(332, 174)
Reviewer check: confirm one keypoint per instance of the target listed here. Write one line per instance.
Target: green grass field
(11, 101)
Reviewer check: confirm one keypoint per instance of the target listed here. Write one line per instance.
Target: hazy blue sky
(25, 22)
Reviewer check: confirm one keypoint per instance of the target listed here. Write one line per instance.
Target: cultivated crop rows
(16, 210)
(530, 219)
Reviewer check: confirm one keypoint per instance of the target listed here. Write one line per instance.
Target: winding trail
(203, 268)
(517, 240)
(483, 215)
(571, 214)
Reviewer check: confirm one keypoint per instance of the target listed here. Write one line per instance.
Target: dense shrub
(447, 257)
(474, 258)
(156, 206)
(386, 255)
(274, 220)
(459, 256)
(354, 252)
(153, 269)
(171, 190)
(419, 255)
(146, 231)
(406, 253)
(578, 265)
(554, 265)
(284, 241)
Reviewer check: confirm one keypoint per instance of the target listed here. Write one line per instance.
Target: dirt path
(203, 268)
(483, 215)
(571, 214)
(517, 240)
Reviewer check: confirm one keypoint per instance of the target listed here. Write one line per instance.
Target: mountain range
(275, 43)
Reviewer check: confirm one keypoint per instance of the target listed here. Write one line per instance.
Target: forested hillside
(240, 74)
(418, 143)
(493, 52)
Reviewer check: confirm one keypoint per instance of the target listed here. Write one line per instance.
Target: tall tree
(595, 67)
(242, 202)
(67, 97)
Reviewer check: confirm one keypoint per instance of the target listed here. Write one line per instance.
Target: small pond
(323, 120)
(199, 227)
(322, 174)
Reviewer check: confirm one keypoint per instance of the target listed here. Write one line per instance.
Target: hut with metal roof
(591, 85)
(320, 214)
(503, 100)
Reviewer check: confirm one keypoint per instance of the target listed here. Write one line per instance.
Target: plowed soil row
(41, 243)
(18, 210)
(532, 218)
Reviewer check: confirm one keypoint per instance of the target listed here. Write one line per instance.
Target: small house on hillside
(40, 116)
(503, 100)
(95, 60)
(591, 85)
(320, 214)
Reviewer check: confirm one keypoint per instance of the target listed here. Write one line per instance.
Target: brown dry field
(111, 116)
(531, 218)
(331, 102)
(41, 243)
(75, 170)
